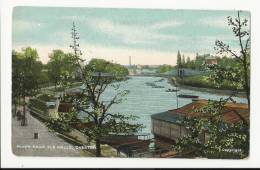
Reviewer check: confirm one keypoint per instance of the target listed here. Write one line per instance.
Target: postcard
(130, 83)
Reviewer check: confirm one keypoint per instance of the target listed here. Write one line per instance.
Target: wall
(167, 130)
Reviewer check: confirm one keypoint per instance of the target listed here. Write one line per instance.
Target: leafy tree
(164, 68)
(179, 63)
(188, 59)
(183, 60)
(26, 75)
(242, 57)
(63, 122)
(57, 66)
(224, 139)
(16, 79)
(97, 79)
(100, 65)
(61, 70)
(199, 62)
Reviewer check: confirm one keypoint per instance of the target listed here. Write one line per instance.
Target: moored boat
(172, 90)
(188, 96)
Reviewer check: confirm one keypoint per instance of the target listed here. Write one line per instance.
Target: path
(24, 144)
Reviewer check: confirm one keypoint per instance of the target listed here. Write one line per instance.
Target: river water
(143, 100)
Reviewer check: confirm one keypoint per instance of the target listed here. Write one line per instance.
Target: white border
(10, 160)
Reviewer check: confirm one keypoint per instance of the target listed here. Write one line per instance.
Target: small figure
(18, 114)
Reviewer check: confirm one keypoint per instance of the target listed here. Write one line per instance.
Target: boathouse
(211, 60)
(168, 125)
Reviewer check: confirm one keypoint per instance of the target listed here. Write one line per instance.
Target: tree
(26, 75)
(96, 80)
(225, 140)
(103, 66)
(58, 66)
(188, 59)
(223, 136)
(16, 79)
(240, 29)
(164, 68)
(179, 59)
(183, 60)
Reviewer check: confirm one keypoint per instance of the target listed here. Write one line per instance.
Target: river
(143, 100)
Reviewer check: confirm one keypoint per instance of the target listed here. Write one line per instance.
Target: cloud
(20, 26)
(131, 34)
(216, 22)
(166, 24)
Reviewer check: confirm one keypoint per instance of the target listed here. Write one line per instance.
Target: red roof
(229, 114)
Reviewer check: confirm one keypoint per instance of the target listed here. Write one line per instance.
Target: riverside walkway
(47, 144)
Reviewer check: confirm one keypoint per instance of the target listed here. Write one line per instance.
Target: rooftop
(229, 113)
(210, 58)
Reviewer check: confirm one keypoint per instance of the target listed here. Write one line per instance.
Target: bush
(46, 97)
(38, 105)
(63, 122)
(202, 81)
(164, 68)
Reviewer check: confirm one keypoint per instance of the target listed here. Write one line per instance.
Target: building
(211, 60)
(168, 125)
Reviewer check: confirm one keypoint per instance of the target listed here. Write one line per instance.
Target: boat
(160, 80)
(150, 84)
(172, 90)
(188, 96)
(156, 86)
(153, 85)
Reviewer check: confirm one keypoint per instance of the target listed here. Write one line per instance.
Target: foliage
(97, 76)
(39, 105)
(114, 124)
(60, 68)
(26, 76)
(63, 122)
(224, 140)
(219, 75)
(179, 64)
(240, 28)
(164, 68)
(26, 72)
(205, 82)
(103, 66)
(46, 97)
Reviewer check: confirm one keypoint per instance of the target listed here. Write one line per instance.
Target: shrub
(46, 97)
(38, 105)
(63, 122)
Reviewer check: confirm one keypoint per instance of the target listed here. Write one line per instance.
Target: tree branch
(87, 112)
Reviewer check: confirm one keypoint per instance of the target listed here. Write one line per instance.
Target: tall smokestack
(130, 62)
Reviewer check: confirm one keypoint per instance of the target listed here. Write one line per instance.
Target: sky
(149, 36)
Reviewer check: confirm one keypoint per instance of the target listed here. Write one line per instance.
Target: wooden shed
(169, 125)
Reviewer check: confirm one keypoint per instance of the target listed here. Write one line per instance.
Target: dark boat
(156, 86)
(172, 90)
(188, 96)
(150, 84)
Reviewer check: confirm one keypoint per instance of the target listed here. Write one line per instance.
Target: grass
(202, 81)
(38, 105)
(61, 89)
(46, 97)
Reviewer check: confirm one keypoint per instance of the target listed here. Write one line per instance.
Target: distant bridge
(175, 72)
(149, 75)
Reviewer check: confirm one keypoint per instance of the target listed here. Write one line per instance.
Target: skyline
(151, 35)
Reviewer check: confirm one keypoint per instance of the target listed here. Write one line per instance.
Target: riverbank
(209, 90)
